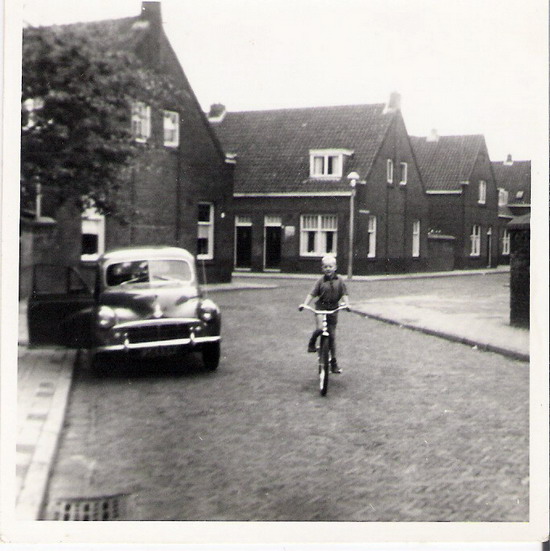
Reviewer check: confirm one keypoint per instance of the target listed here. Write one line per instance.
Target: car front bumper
(123, 336)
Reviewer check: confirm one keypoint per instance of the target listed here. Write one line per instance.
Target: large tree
(77, 88)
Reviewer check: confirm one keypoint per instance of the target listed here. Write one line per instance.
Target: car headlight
(208, 310)
(106, 317)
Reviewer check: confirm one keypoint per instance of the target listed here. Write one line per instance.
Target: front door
(273, 240)
(243, 245)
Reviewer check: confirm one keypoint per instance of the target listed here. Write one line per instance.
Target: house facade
(513, 179)
(462, 195)
(181, 188)
(329, 180)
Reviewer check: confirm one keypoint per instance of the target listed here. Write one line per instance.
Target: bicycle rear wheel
(324, 366)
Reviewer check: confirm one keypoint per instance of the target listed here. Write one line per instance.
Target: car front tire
(211, 355)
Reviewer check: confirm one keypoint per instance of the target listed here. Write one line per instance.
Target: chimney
(508, 161)
(151, 12)
(433, 137)
(394, 103)
(217, 112)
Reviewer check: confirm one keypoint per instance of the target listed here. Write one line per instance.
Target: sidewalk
(45, 374)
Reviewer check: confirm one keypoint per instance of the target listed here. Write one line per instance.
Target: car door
(59, 308)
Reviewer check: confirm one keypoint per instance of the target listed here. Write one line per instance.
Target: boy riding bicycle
(330, 291)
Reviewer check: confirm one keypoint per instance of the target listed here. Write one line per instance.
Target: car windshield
(145, 271)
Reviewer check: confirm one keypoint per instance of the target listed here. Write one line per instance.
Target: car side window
(50, 279)
(76, 284)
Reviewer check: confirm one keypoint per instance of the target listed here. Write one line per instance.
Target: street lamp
(353, 177)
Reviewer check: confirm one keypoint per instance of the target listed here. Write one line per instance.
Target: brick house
(311, 181)
(462, 195)
(181, 189)
(513, 179)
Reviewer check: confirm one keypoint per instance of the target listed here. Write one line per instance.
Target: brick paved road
(417, 428)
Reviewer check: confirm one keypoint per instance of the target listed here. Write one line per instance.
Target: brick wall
(168, 184)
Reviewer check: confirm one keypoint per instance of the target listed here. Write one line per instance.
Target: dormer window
(327, 163)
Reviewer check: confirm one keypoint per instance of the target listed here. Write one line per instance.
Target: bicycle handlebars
(302, 306)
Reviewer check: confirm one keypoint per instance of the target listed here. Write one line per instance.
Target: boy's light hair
(329, 258)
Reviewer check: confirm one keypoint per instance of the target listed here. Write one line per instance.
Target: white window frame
(506, 242)
(502, 197)
(416, 239)
(389, 171)
(404, 168)
(141, 121)
(208, 228)
(482, 192)
(371, 229)
(171, 128)
(321, 225)
(93, 223)
(324, 155)
(475, 240)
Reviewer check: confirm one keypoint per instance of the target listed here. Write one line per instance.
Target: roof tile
(447, 162)
(272, 147)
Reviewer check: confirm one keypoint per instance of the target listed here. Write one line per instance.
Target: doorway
(243, 242)
(272, 242)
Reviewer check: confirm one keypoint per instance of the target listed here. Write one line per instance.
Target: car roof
(146, 253)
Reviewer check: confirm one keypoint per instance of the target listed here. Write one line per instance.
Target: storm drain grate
(113, 507)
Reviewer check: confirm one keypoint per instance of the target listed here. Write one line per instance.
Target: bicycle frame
(324, 348)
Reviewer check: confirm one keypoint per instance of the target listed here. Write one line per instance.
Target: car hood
(153, 301)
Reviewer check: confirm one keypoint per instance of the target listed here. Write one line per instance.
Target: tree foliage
(76, 139)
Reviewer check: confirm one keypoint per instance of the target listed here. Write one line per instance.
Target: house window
(326, 166)
(416, 239)
(171, 122)
(93, 234)
(475, 239)
(318, 234)
(389, 171)
(404, 168)
(141, 121)
(519, 194)
(482, 197)
(506, 242)
(205, 237)
(502, 197)
(372, 236)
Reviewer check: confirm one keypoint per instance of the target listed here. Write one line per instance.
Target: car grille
(158, 333)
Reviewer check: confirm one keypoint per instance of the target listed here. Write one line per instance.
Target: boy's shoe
(334, 367)
(311, 348)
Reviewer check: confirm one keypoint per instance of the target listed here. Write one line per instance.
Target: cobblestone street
(416, 428)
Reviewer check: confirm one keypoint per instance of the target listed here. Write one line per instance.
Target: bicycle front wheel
(324, 366)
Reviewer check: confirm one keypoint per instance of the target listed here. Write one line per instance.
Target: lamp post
(353, 177)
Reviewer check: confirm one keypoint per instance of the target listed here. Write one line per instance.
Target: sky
(461, 66)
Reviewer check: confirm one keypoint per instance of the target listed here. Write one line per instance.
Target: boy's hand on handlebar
(301, 307)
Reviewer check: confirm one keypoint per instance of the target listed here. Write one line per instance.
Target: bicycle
(324, 346)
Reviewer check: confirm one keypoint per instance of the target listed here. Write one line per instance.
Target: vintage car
(144, 302)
